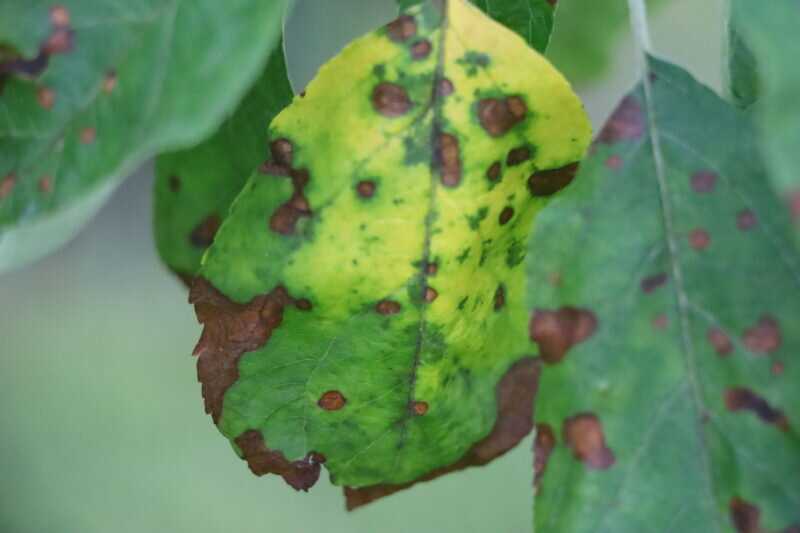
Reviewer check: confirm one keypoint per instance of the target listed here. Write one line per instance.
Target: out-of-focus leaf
(90, 89)
(742, 70)
(194, 188)
(769, 29)
(585, 34)
(665, 297)
(363, 302)
(532, 19)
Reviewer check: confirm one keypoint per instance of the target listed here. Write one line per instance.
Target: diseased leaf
(665, 299)
(532, 19)
(769, 30)
(194, 188)
(363, 302)
(91, 89)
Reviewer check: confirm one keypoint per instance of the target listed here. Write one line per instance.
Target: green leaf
(194, 188)
(91, 89)
(363, 302)
(769, 30)
(666, 298)
(532, 19)
(742, 69)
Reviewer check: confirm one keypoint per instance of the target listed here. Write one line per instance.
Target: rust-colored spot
(419, 408)
(745, 516)
(59, 16)
(421, 49)
(402, 28)
(746, 220)
(777, 368)
(284, 219)
(764, 337)
(742, 398)
(499, 297)
(203, 234)
(174, 183)
(110, 81)
(583, 433)
(661, 321)
(365, 188)
(542, 448)
(300, 475)
(46, 184)
(59, 41)
(88, 135)
(303, 304)
(515, 394)
(444, 87)
(430, 294)
(651, 283)
(387, 307)
(448, 159)
(431, 268)
(704, 181)
(549, 182)
(498, 115)
(518, 155)
(493, 172)
(720, 341)
(282, 152)
(229, 330)
(557, 331)
(7, 185)
(505, 215)
(699, 239)
(390, 99)
(614, 162)
(625, 123)
(46, 97)
(332, 400)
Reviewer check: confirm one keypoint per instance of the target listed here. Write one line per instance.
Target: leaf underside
(89, 90)
(363, 301)
(666, 297)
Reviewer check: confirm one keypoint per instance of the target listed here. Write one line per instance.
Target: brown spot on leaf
(764, 337)
(505, 215)
(284, 219)
(387, 307)
(777, 368)
(333, 400)
(498, 115)
(518, 155)
(583, 433)
(625, 123)
(444, 87)
(614, 162)
(59, 16)
(557, 331)
(203, 234)
(542, 448)
(720, 341)
(110, 81)
(390, 99)
(651, 283)
(174, 183)
(365, 188)
(699, 239)
(46, 184)
(515, 394)
(419, 408)
(430, 294)
(499, 297)
(303, 304)
(402, 28)
(300, 475)
(493, 172)
(59, 41)
(704, 181)
(7, 185)
(661, 321)
(745, 516)
(742, 398)
(88, 135)
(229, 330)
(448, 159)
(46, 97)
(430, 268)
(421, 49)
(549, 182)
(746, 220)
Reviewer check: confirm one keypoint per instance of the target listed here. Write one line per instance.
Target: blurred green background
(103, 428)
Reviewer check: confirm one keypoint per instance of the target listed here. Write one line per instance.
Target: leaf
(664, 297)
(362, 303)
(742, 70)
(769, 30)
(92, 89)
(194, 188)
(532, 19)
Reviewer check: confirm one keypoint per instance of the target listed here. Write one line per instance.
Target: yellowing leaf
(364, 299)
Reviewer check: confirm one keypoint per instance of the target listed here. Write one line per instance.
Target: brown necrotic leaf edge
(515, 394)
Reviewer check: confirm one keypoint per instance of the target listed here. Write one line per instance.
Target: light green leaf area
(668, 270)
(365, 295)
(91, 89)
(532, 19)
(194, 188)
(769, 30)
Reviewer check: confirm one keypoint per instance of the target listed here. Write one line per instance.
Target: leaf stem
(638, 15)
